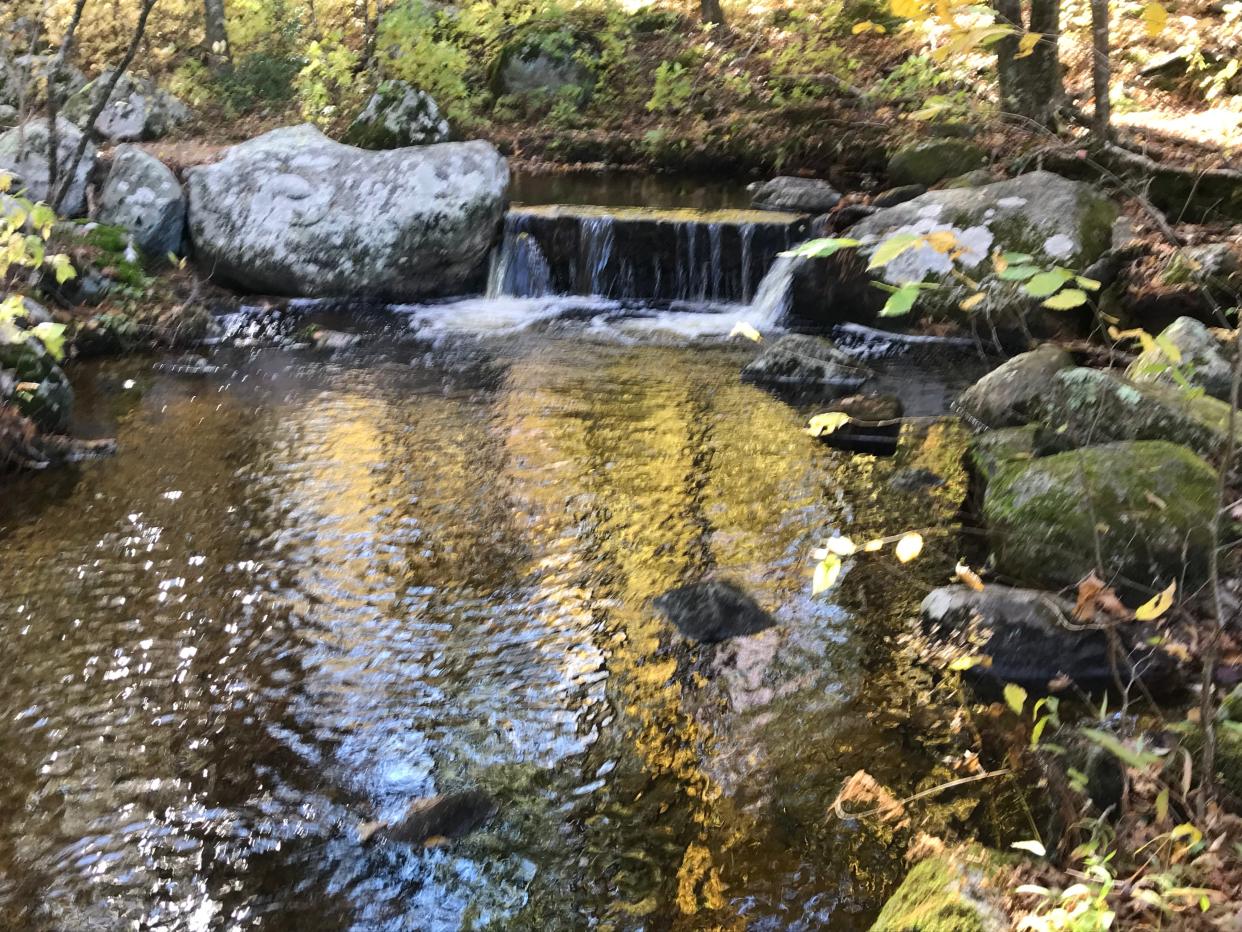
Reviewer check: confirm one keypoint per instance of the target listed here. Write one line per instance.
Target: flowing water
(315, 585)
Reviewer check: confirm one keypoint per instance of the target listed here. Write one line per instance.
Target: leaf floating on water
(827, 571)
(1034, 847)
(962, 664)
(909, 547)
(969, 577)
(821, 425)
(872, 546)
(743, 329)
(1158, 605)
(436, 841)
(864, 788)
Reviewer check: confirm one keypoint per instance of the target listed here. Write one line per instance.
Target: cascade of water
(747, 235)
(595, 239)
(716, 269)
(775, 295)
(518, 268)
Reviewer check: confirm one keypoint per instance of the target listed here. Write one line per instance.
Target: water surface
(315, 586)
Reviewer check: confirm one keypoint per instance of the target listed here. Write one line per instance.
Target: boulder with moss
(1092, 406)
(994, 450)
(1186, 353)
(947, 892)
(104, 256)
(40, 389)
(934, 160)
(24, 153)
(137, 109)
(555, 62)
(397, 115)
(1145, 508)
(144, 197)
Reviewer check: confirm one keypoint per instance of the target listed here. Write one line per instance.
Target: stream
(314, 585)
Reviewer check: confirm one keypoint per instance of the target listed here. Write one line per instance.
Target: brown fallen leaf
(1095, 597)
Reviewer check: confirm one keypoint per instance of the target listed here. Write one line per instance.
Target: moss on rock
(1146, 505)
(941, 894)
(994, 450)
(934, 160)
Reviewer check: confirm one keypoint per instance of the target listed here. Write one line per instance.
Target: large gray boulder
(24, 80)
(799, 195)
(1142, 508)
(137, 109)
(144, 197)
(1010, 395)
(292, 212)
(397, 115)
(1197, 359)
(24, 151)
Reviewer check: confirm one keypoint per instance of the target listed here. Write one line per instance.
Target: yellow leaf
(969, 577)
(999, 262)
(823, 424)
(909, 547)
(973, 301)
(841, 546)
(6, 182)
(743, 329)
(1026, 45)
(941, 240)
(1015, 698)
(872, 546)
(961, 664)
(826, 573)
(893, 247)
(1161, 603)
(868, 26)
(907, 9)
(1155, 18)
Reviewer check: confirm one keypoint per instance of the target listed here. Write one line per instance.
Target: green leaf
(1017, 258)
(819, 248)
(900, 301)
(1046, 283)
(1017, 273)
(1015, 697)
(1088, 284)
(1133, 757)
(53, 337)
(1067, 299)
(891, 248)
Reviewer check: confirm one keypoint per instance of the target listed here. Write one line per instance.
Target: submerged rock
(144, 197)
(1090, 406)
(436, 818)
(397, 115)
(1147, 506)
(38, 387)
(137, 109)
(1203, 362)
(24, 152)
(874, 427)
(799, 195)
(713, 611)
(914, 479)
(934, 160)
(294, 213)
(1032, 639)
(944, 893)
(799, 359)
(1011, 394)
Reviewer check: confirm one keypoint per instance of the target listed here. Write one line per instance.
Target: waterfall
(595, 239)
(518, 268)
(775, 295)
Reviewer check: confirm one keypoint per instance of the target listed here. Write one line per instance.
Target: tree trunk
(219, 55)
(711, 12)
(1030, 85)
(1101, 71)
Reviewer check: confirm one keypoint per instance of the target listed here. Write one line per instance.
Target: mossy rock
(104, 257)
(934, 160)
(1146, 505)
(44, 395)
(994, 450)
(1090, 406)
(1010, 394)
(397, 115)
(941, 894)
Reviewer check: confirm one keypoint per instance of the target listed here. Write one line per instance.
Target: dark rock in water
(862, 342)
(914, 479)
(875, 424)
(437, 817)
(1032, 640)
(800, 195)
(894, 196)
(850, 214)
(713, 611)
(799, 359)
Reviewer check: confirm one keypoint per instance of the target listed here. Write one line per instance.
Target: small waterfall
(518, 267)
(595, 239)
(747, 236)
(775, 295)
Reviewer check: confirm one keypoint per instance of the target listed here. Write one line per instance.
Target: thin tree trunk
(55, 74)
(219, 55)
(1101, 71)
(712, 12)
(1030, 85)
(102, 101)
